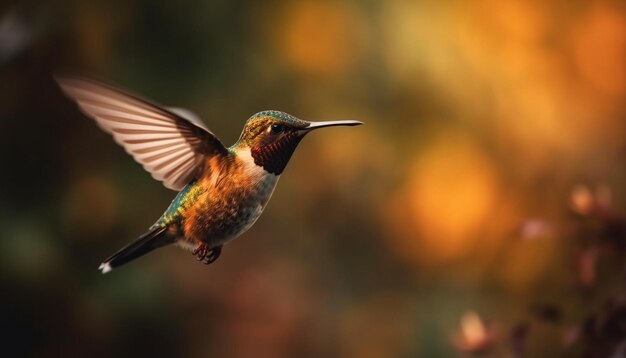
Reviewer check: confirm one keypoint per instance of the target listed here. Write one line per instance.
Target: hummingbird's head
(272, 137)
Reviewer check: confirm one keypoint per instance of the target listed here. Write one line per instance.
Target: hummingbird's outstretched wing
(170, 145)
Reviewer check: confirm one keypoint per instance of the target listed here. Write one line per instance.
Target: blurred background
(478, 211)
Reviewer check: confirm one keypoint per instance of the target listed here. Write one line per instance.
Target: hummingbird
(222, 190)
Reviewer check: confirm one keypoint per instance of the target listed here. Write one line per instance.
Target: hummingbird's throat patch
(274, 157)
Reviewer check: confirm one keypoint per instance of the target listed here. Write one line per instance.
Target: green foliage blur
(478, 211)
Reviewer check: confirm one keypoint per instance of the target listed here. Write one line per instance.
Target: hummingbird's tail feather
(153, 239)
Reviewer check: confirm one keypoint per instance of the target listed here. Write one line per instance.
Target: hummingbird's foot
(201, 251)
(214, 253)
(207, 254)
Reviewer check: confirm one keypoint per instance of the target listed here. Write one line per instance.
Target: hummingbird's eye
(276, 128)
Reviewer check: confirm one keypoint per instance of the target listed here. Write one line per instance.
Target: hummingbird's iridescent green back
(183, 200)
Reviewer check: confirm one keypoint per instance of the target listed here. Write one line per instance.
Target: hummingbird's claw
(201, 251)
(206, 254)
(214, 253)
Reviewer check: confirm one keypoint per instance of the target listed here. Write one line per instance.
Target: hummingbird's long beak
(316, 125)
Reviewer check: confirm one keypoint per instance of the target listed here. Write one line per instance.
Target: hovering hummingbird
(222, 191)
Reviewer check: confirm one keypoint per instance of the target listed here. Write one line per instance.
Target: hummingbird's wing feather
(170, 145)
(188, 115)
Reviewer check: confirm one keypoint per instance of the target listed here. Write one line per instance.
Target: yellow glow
(599, 44)
(452, 191)
(319, 38)
(449, 194)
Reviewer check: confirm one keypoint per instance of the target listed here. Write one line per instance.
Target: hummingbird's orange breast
(234, 192)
